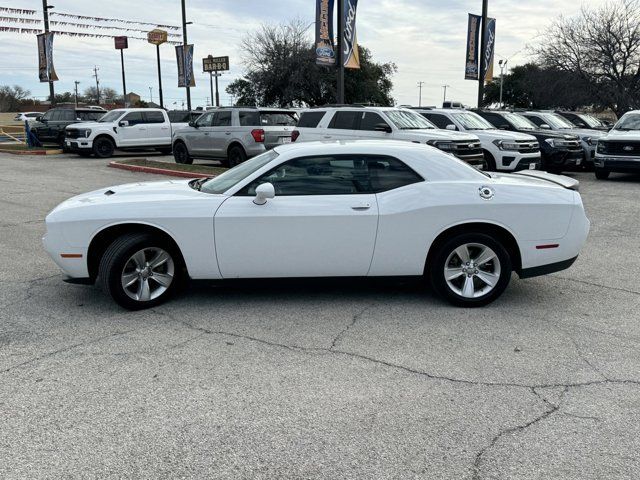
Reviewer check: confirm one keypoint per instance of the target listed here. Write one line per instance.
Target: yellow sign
(157, 36)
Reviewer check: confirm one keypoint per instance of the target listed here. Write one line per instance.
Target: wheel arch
(499, 232)
(107, 136)
(235, 143)
(107, 235)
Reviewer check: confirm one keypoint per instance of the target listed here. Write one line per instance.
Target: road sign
(157, 36)
(121, 42)
(215, 64)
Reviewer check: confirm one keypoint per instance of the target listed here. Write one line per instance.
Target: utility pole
(76, 91)
(184, 40)
(340, 59)
(483, 43)
(503, 66)
(95, 74)
(151, 94)
(45, 12)
(445, 93)
(420, 94)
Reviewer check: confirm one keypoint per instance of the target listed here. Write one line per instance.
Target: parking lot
(316, 379)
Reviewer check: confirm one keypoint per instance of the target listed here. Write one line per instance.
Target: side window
(537, 120)
(154, 117)
(55, 115)
(310, 119)
(440, 121)
(344, 120)
(388, 173)
(205, 120)
(370, 121)
(222, 119)
(67, 115)
(323, 175)
(134, 118)
(249, 118)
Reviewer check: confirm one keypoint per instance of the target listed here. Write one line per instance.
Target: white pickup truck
(123, 129)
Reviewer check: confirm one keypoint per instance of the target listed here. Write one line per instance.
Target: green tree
(281, 71)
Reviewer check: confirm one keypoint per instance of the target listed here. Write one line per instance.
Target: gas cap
(486, 193)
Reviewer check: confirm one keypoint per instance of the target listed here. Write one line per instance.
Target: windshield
(408, 120)
(630, 121)
(232, 177)
(557, 122)
(472, 121)
(589, 120)
(112, 116)
(520, 122)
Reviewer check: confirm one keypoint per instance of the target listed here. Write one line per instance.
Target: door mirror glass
(382, 127)
(123, 123)
(264, 191)
(193, 124)
(451, 126)
(39, 118)
(545, 126)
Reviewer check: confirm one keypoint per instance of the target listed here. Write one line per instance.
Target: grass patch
(143, 162)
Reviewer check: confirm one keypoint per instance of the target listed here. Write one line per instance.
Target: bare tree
(602, 47)
(12, 97)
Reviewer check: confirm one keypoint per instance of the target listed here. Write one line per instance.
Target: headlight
(602, 147)
(590, 141)
(558, 143)
(446, 146)
(87, 133)
(506, 145)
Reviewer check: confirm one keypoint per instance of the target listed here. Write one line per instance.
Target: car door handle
(363, 206)
(327, 136)
(206, 134)
(227, 133)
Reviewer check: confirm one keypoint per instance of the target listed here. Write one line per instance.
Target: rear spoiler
(562, 180)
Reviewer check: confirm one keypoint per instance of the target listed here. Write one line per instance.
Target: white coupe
(347, 209)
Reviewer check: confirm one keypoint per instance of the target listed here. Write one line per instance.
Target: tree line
(13, 98)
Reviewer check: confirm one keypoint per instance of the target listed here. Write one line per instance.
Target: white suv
(503, 150)
(358, 123)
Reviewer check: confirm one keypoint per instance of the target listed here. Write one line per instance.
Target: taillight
(294, 135)
(258, 135)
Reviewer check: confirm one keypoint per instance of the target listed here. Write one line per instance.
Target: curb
(157, 171)
(31, 152)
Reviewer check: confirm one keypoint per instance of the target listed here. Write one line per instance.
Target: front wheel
(181, 154)
(471, 270)
(602, 174)
(140, 271)
(103, 147)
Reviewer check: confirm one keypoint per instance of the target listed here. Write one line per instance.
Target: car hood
(622, 135)
(496, 134)
(436, 134)
(584, 132)
(550, 134)
(91, 125)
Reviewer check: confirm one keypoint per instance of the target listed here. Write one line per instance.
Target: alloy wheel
(472, 270)
(148, 274)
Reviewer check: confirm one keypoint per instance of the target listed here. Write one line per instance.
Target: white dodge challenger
(347, 209)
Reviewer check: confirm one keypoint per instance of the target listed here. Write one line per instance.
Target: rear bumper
(617, 164)
(546, 269)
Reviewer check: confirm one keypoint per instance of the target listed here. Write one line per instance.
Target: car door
(322, 222)
(135, 132)
(367, 124)
(197, 139)
(221, 132)
(158, 128)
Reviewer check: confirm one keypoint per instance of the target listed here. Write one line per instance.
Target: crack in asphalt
(585, 359)
(28, 222)
(593, 284)
(346, 329)
(64, 349)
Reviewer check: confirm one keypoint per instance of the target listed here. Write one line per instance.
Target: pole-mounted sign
(121, 42)
(157, 37)
(213, 65)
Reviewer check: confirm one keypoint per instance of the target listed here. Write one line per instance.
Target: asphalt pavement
(316, 379)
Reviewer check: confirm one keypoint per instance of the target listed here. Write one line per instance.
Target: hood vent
(109, 192)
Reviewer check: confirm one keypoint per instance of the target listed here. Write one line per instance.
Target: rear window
(154, 117)
(310, 119)
(273, 119)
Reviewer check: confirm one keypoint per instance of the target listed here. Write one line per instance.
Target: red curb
(157, 171)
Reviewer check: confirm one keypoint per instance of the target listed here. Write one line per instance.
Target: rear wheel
(470, 270)
(602, 174)
(140, 270)
(236, 156)
(181, 154)
(103, 147)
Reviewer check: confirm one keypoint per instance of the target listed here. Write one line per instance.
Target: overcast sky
(425, 38)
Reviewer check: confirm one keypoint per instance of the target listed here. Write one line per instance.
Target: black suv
(50, 127)
(559, 151)
(584, 120)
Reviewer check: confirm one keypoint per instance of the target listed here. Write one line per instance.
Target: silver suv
(233, 134)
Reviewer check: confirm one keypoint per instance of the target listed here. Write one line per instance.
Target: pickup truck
(123, 129)
(619, 150)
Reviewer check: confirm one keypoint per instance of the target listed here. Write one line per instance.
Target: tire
(130, 258)
(472, 285)
(103, 147)
(181, 154)
(236, 156)
(602, 174)
(489, 162)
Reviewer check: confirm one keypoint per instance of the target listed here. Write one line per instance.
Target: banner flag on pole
(472, 66)
(46, 72)
(489, 49)
(325, 51)
(184, 55)
(350, 40)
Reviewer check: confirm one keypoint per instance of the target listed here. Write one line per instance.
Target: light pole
(420, 94)
(483, 43)
(503, 67)
(445, 94)
(45, 12)
(340, 59)
(184, 41)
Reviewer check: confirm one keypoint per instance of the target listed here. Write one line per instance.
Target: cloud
(425, 38)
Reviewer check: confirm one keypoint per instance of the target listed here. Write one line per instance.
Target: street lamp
(503, 67)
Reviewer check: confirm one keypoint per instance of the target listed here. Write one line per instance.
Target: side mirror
(264, 191)
(451, 126)
(382, 127)
(123, 123)
(544, 126)
(39, 118)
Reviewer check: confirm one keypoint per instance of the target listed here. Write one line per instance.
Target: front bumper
(617, 164)
(516, 161)
(78, 144)
(56, 246)
(476, 160)
(564, 158)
